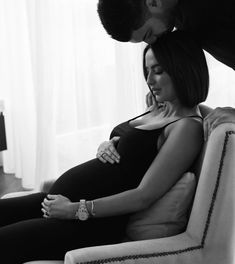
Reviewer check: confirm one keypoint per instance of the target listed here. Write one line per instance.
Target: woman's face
(158, 80)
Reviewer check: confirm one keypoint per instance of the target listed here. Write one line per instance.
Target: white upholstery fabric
(209, 238)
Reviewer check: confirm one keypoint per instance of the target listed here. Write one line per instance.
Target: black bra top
(137, 147)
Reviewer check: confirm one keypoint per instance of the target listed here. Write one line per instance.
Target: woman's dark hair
(184, 60)
(121, 17)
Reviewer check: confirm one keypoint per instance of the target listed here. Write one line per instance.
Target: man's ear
(154, 6)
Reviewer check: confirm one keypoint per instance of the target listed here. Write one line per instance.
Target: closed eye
(158, 70)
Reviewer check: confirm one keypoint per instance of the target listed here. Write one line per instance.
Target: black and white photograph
(117, 132)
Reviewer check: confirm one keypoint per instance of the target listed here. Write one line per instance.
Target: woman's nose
(150, 79)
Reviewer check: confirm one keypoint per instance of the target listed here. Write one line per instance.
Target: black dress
(25, 232)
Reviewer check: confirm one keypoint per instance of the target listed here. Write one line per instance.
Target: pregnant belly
(93, 179)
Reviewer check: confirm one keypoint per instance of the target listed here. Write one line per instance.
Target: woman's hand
(58, 206)
(150, 100)
(107, 151)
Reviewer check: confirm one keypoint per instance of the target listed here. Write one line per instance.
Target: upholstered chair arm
(145, 251)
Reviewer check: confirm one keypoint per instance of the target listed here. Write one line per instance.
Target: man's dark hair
(121, 17)
(185, 62)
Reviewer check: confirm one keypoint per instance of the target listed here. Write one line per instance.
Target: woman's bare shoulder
(187, 126)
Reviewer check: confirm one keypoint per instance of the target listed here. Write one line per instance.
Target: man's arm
(218, 116)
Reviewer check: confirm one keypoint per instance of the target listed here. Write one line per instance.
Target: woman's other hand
(107, 151)
(58, 206)
(150, 100)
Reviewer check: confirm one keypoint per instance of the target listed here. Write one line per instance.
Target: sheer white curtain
(64, 82)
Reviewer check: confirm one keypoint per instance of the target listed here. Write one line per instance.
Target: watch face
(83, 215)
(82, 211)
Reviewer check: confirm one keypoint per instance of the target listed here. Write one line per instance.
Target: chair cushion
(167, 216)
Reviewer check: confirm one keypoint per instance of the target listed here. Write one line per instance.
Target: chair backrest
(212, 219)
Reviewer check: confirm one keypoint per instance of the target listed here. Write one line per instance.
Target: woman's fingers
(45, 213)
(112, 152)
(44, 206)
(99, 156)
(109, 154)
(47, 202)
(114, 140)
(52, 196)
(108, 157)
(45, 209)
(149, 99)
(102, 159)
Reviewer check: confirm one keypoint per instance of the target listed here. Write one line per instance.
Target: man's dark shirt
(212, 23)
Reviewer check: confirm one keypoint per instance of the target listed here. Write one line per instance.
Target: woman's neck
(175, 109)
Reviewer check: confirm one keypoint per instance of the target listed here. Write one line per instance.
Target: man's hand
(218, 116)
(107, 151)
(58, 206)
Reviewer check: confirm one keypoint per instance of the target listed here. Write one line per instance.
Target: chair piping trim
(206, 228)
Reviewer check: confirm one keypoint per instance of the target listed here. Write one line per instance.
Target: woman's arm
(176, 156)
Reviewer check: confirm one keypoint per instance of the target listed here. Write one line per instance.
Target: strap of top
(197, 116)
(168, 123)
(139, 116)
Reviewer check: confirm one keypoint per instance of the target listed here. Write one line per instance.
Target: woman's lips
(156, 91)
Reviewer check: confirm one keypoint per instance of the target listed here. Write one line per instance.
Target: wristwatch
(82, 212)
